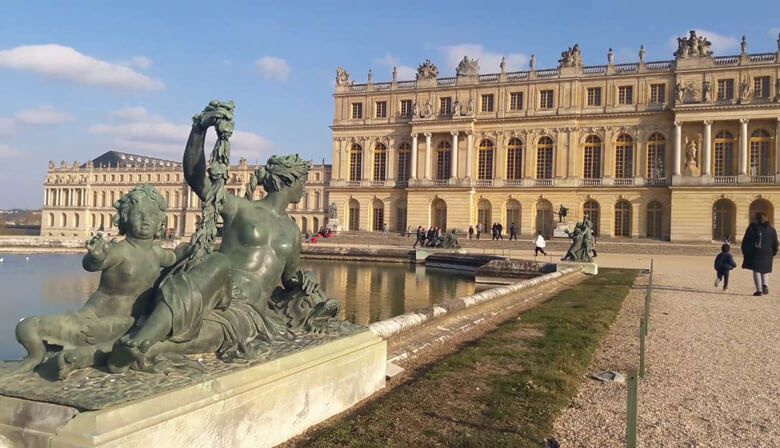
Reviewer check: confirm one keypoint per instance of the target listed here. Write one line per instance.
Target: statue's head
(284, 172)
(140, 212)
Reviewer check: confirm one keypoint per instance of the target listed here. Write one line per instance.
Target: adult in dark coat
(759, 246)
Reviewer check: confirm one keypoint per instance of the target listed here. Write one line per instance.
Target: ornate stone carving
(571, 57)
(427, 70)
(693, 46)
(641, 53)
(502, 65)
(457, 108)
(532, 62)
(611, 57)
(743, 45)
(467, 67)
(744, 90)
(691, 157)
(706, 92)
(342, 77)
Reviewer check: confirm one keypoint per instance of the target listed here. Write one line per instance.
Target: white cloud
(488, 61)
(721, 45)
(6, 126)
(134, 129)
(273, 68)
(141, 62)
(405, 72)
(42, 115)
(8, 151)
(61, 62)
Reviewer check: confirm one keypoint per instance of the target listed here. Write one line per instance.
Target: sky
(81, 78)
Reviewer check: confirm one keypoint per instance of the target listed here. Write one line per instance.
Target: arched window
(317, 204)
(404, 161)
(354, 215)
(544, 217)
(724, 216)
(306, 201)
(103, 199)
(514, 159)
(624, 157)
(439, 213)
(355, 163)
(64, 220)
(51, 219)
(315, 224)
(304, 224)
(485, 213)
(443, 161)
(94, 198)
(592, 210)
(92, 220)
(592, 158)
(544, 158)
(76, 219)
(400, 220)
(655, 220)
(380, 162)
(513, 214)
(724, 161)
(623, 218)
(485, 162)
(656, 151)
(760, 155)
(763, 206)
(378, 209)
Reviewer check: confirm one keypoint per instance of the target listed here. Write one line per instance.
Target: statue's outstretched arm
(195, 162)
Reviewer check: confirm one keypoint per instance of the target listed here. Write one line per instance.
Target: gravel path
(712, 364)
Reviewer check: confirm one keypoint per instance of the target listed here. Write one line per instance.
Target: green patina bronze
(581, 242)
(155, 305)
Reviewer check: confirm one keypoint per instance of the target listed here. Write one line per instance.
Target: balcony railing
(725, 180)
(590, 182)
(515, 76)
(726, 60)
(624, 181)
(353, 183)
(402, 183)
(543, 182)
(763, 57)
(658, 66)
(446, 81)
(439, 182)
(483, 183)
(656, 181)
(513, 182)
(627, 68)
(377, 183)
(762, 179)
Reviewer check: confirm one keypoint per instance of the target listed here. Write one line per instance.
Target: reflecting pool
(42, 284)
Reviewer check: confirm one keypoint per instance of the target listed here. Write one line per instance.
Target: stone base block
(259, 406)
(560, 230)
(588, 268)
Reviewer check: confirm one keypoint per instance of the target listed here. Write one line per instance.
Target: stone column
(413, 172)
(469, 150)
(639, 153)
(572, 155)
(428, 155)
(743, 149)
(677, 148)
(706, 155)
(454, 164)
(368, 164)
(777, 147)
(391, 157)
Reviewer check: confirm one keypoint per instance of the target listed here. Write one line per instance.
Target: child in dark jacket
(724, 263)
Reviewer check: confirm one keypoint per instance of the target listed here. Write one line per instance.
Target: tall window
(484, 213)
(594, 96)
(655, 219)
(381, 109)
(406, 108)
(725, 89)
(439, 213)
(626, 95)
(485, 168)
(400, 216)
(404, 161)
(592, 211)
(657, 93)
(514, 159)
(759, 154)
(487, 103)
(443, 161)
(516, 101)
(379, 215)
(545, 99)
(592, 158)
(724, 154)
(624, 157)
(761, 87)
(354, 215)
(357, 110)
(513, 214)
(445, 106)
(656, 150)
(623, 219)
(544, 158)
(355, 163)
(724, 216)
(380, 162)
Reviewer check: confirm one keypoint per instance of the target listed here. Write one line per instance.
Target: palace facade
(79, 198)
(683, 149)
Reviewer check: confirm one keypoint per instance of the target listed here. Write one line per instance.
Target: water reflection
(52, 284)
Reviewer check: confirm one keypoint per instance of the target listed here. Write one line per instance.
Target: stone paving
(712, 363)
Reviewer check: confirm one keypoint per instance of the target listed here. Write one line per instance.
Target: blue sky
(79, 78)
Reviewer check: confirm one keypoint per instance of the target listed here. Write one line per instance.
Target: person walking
(724, 263)
(384, 229)
(500, 230)
(512, 232)
(420, 238)
(471, 231)
(494, 231)
(759, 246)
(479, 229)
(540, 244)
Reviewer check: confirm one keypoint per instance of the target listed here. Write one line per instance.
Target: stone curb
(398, 324)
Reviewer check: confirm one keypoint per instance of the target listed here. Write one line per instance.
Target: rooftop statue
(342, 77)
(571, 57)
(427, 70)
(467, 67)
(693, 46)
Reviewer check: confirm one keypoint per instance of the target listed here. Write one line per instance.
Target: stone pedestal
(258, 406)
(333, 225)
(560, 230)
(691, 169)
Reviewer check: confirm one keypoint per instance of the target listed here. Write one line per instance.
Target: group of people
(497, 231)
(759, 247)
(429, 237)
(323, 232)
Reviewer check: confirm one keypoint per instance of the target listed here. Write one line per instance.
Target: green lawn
(503, 390)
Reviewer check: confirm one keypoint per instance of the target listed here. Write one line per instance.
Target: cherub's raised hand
(97, 247)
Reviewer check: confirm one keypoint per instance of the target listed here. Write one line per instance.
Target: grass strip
(504, 389)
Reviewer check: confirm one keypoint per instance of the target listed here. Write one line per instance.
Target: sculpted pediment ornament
(467, 67)
(693, 46)
(427, 70)
(342, 77)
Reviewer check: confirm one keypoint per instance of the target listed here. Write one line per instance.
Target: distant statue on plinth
(581, 242)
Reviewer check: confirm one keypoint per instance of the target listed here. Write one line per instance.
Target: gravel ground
(712, 364)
